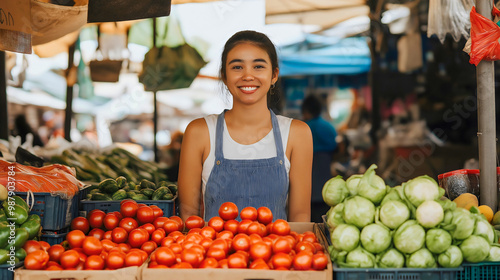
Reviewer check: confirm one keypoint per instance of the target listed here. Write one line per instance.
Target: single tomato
(97, 233)
(194, 222)
(69, 259)
(264, 215)
(119, 235)
(302, 260)
(281, 227)
(137, 237)
(249, 213)
(55, 252)
(111, 221)
(75, 238)
(91, 246)
(80, 223)
(145, 214)
(228, 211)
(96, 218)
(129, 209)
(36, 260)
(128, 224)
(260, 250)
(217, 223)
(94, 263)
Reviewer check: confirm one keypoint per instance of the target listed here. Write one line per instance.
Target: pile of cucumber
(120, 188)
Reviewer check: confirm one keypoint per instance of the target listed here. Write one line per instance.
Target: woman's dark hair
(312, 104)
(258, 39)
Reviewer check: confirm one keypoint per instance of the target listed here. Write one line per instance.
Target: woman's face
(249, 74)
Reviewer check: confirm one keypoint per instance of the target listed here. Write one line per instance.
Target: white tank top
(234, 150)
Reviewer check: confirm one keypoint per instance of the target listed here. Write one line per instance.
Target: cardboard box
(128, 273)
(244, 274)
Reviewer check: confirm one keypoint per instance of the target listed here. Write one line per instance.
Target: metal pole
(485, 75)
(155, 106)
(70, 80)
(4, 122)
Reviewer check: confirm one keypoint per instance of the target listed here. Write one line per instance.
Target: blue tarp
(317, 56)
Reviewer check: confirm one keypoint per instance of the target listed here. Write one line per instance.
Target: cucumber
(139, 196)
(119, 195)
(168, 196)
(160, 193)
(146, 184)
(94, 191)
(173, 188)
(100, 196)
(121, 182)
(108, 186)
(147, 192)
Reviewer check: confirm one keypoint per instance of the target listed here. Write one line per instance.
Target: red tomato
(223, 263)
(182, 265)
(176, 248)
(178, 220)
(260, 250)
(216, 253)
(149, 227)
(319, 261)
(128, 224)
(111, 221)
(302, 260)
(281, 227)
(208, 232)
(69, 259)
(158, 235)
(97, 233)
(254, 238)
(45, 245)
(282, 245)
(225, 234)
(159, 222)
(149, 247)
(209, 263)
(55, 252)
(194, 222)
(243, 226)
(281, 260)
(319, 247)
(175, 234)
(108, 235)
(237, 261)
(259, 264)
(206, 242)
(75, 238)
(192, 256)
(118, 214)
(194, 231)
(170, 226)
(107, 244)
(115, 260)
(249, 213)
(54, 267)
(228, 211)
(165, 256)
(96, 218)
(264, 215)
(255, 227)
(217, 223)
(232, 226)
(124, 247)
(91, 246)
(137, 237)
(80, 223)
(36, 260)
(157, 211)
(133, 258)
(241, 242)
(31, 246)
(94, 263)
(129, 209)
(145, 214)
(305, 246)
(126, 200)
(119, 235)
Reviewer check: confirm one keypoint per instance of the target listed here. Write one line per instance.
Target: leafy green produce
(334, 191)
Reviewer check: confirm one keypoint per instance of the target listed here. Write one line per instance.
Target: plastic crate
(55, 212)
(54, 237)
(168, 206)
(5, 273)
(396, 274)
(482, 270)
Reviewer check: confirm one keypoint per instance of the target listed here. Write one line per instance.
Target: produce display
(95, 167)
(372, 225)
(120, 188)
(138, 232)
(17, 229)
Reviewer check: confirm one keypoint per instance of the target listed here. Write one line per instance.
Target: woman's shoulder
(196, 127)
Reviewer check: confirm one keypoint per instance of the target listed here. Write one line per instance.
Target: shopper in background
(324, 146)
(247, 155)
(22, 128)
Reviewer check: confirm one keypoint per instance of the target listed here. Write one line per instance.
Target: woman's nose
(247, 75)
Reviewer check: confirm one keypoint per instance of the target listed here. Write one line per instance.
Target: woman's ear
(275, 75)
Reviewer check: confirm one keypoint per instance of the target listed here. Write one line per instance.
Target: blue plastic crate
(396, 274)
(54, 237)
(55, 212)
(482, 270)
(168, 206)
(5, 273)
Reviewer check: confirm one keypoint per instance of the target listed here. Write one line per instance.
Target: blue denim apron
(256, 182)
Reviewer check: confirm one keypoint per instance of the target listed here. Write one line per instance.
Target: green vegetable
(4, 257)
(100, 196)
(421, 259)
(393, 194)
(391, 258)
(475, 249)
(358, 211)
(121, 182)
(20, 254)
(372, 186)
(409, 237)
(375, 238)
(146, 184)
(484, 229)
(137, 196)
(429, 214)
(16, 212)
(334, 216)
(3, 217)
(345, 238)
(464, 224)
(173, 188)
(119, 195)
(160, 193)
(21, 236)
(4, 236)
(494, 254)
(393, 213)
(421, 189)
(32, 226)
(451, 258)
(168, 196)
(359, 258)
(108, 186)
(352, 183)
(437, 240)
(334, 191)
(147, 192)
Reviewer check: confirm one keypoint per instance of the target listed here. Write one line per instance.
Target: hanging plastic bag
(485, 33)
(449, 17)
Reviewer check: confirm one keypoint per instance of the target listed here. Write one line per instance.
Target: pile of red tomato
(128, 237)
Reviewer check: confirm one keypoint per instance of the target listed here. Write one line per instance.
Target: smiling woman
(247, 155)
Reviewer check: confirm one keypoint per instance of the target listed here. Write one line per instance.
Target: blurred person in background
(324, 146)
(22, 128)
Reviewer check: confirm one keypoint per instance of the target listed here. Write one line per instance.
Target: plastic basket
(168, 206)
(482, 270)
(54, 237)
(396, 274)
(55, 212)
(5, 273)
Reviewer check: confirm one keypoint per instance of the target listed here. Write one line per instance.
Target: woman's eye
(236, 67)
(259, 66)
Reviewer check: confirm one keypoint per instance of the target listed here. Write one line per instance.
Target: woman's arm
(299, 199)
(194, 143)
